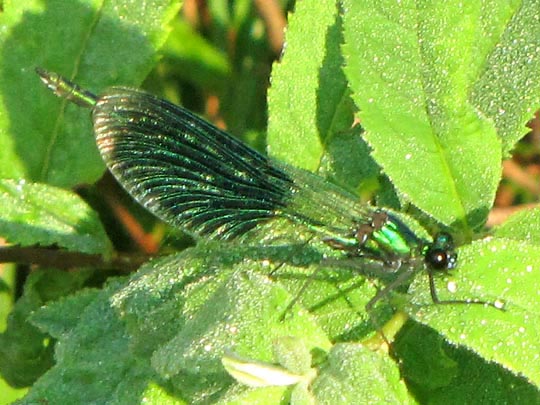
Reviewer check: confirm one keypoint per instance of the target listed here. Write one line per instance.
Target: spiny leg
(436, 300)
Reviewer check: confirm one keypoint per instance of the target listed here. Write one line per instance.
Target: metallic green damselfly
(197, 177)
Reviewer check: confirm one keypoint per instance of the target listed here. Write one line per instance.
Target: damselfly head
(440, 255)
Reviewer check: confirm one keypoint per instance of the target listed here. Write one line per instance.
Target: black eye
(438, 259)
(440, 254)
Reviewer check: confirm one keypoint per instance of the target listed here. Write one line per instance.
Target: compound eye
(441, 255)
(438, 259)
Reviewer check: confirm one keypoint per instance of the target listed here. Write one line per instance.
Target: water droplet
(20, 185)
(499, 304)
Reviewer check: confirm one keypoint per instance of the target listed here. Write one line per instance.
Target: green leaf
(413, 68)
(177, 316)
(417, 71)
(61, 317)
(223, 308)
(97, 43)
(354, 373)
(347, 162)
(25, 351)
(522, 226)
(423, 358)
(335, 297)
(506, 90)
(93, 360)
(267, 395)
(7, 292)
(10, 394)
(309, 101)
(293, 354)
(440, 372)
(37, 214)
(500, 271)
(155, 394)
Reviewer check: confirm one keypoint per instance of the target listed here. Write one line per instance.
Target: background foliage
(443, 92)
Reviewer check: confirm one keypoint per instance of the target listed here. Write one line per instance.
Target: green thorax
(346, 224)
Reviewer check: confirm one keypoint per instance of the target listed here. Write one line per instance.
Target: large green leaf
(522, 226)
(88, 330)
(354, 373)
(506, 90)
(174, 320)
(38, 214)
(415, 69)
(98, 43)
(505, 273)
(437, 371)
(161, 335)
(309, 98)
(25, 351)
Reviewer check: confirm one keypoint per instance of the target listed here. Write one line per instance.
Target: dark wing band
(185, 170)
